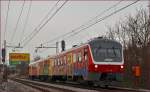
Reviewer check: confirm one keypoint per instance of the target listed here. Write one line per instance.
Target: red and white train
(97, 61)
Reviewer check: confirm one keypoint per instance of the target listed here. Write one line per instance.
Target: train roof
(74, 48)
(40, 60)
(102, 39)
(36, 61)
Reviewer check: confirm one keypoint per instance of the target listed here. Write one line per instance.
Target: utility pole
(0, 41)
(4, 50)
(4, 60)
(57, 50)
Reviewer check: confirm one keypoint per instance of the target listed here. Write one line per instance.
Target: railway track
(69, 87)
(41, 86)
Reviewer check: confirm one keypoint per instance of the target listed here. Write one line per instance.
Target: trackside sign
(16, 58)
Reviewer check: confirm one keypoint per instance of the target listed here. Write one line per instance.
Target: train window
(85, 54)
(61, 61)
(58, 62)
(79, 57)
(65, 60)
(52, 63)
(85, 57)
(111, 53)
(74, 57)
(69, 58)
(118, 52)
(100, 52)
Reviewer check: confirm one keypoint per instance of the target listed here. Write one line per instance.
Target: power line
(103, 18)
(13, 35)
(85, 23)
(45, 23)
(103, 12)
(6, 20)
(26, 21)
(32, 33)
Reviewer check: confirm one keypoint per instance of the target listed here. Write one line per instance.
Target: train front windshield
(106, 51)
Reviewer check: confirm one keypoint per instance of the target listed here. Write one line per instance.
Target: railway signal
(3, 54)
(63, 45)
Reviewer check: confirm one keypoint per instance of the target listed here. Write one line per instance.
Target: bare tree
(133, 33)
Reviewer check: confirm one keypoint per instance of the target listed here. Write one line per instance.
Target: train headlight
(121, 66)
(96, 66)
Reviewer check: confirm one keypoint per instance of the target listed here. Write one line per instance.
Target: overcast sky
(71, 16)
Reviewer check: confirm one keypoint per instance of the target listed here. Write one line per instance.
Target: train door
(44, 67)
(30, 70)
(85, 63)
(41, 64)
(74, 63)
(50, 64)
(69, 64)
(65, 65)
(37, 69)
(79, 63)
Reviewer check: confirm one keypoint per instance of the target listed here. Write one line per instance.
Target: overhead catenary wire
(16, 26)
(99, 15)
(45, 23)
(26, 21)
(99, 20)
(103, 18)
(35, 29)
(5, 31)
(103, 12)
(46, 16)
